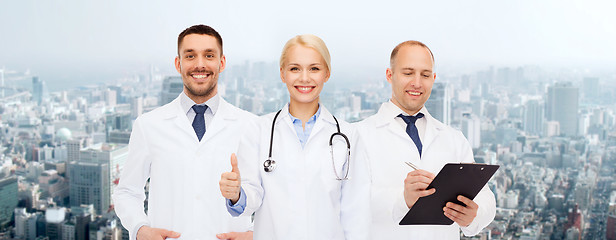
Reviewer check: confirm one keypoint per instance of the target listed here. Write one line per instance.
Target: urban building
(562, 106)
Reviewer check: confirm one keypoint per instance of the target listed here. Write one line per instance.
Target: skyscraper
(8, 199)
(118, 121)
(551, 128)
(533, 118)
(82, 215)
(54, 219)
(25, 224)
(119, 97)
(591, 88)
(562, 106)
(111, 98)
(172, 87)
(471, 128)
(89, 183)
(38, 89)
(93, 176)
(68, 230)
(439, 103)
(136, 107)
(72, 150)
(610, 232)
(355, 103)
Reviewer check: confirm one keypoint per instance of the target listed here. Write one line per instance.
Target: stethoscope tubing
(331, 150)
(269, 165)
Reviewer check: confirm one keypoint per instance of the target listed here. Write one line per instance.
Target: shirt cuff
(133, 234)
(237, 208)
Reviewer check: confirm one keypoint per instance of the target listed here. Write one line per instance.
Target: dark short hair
(407, 43)
(200, 29)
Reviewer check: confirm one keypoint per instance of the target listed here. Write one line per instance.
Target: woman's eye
(314, 69)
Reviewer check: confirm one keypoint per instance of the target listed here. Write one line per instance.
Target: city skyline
(101, 42)
(553, 183)
(531, 85)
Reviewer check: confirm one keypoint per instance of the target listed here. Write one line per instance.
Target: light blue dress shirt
(304, 133)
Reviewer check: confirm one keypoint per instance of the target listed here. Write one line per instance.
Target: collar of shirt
(304, 133)
(393, 111)
(212, 107)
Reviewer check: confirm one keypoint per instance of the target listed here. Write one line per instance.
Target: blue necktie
(411, 129)
(199, 122)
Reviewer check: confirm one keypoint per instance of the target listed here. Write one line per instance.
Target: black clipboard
(465, 179)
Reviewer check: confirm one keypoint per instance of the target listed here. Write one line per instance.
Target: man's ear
(223, 63)
(178, 66)
(388, 74)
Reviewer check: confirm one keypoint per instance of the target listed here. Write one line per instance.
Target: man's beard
(204, 92)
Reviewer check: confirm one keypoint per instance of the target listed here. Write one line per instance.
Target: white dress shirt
(212, 106)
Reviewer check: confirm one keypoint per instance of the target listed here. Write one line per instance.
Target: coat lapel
(325, 118)
(178, 116)
(284, 117)
(221, 120)
(386, 120)
(433, 128)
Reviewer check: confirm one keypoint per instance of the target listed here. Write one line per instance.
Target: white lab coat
(301, 199)
(389, 147)
(184, 195)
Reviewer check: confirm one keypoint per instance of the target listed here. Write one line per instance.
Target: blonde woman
(285, 172)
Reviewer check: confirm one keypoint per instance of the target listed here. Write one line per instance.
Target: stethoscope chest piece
(269, 165)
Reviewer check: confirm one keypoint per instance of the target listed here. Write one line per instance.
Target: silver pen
(411, 165)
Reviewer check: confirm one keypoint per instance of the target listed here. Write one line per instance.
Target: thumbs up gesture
(230, 182)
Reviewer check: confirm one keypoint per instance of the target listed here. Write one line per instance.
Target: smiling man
(404, 131)
(182, 148)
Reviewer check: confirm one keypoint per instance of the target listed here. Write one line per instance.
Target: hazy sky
(109, 38)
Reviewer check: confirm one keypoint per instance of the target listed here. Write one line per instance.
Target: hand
(463, 216)
(148, 233)
(235, 235)
(230, 182)
(415, 186)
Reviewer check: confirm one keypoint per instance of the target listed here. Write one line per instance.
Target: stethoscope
(270, 165)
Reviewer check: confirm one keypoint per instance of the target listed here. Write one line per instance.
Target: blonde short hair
(307, 40)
